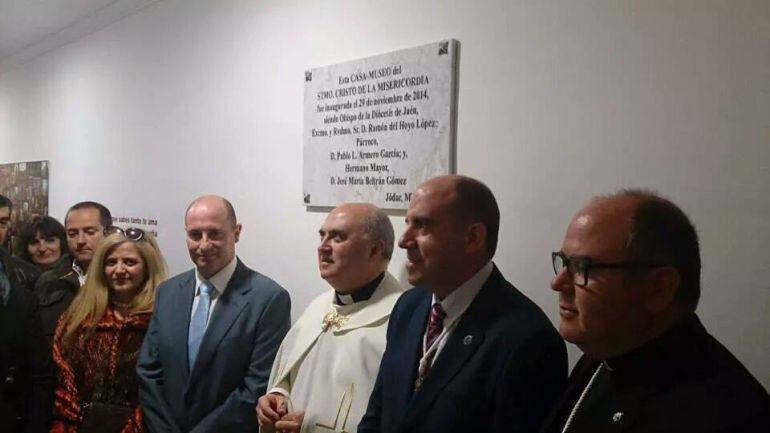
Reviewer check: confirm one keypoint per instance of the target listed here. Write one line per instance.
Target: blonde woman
(98, 338)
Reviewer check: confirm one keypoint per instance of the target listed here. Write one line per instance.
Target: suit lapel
(228, 308)
(462, 343)
(179, 322)
(410, 354)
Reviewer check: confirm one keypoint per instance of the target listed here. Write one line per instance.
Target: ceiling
(30, 28)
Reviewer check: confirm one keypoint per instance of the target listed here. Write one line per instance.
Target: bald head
(375, 222)
(452, 225)
(469, 200)
(213, 201)
(606, 220)
(660, 232)
(212, 232)
(356, 245)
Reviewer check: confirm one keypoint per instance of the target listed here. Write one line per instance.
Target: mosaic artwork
(26, 184)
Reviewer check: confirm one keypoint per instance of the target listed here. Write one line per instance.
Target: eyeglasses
(579, 269)
(131, 233)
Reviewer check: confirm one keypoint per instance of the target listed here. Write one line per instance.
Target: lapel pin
(468, 339)
(617, 416)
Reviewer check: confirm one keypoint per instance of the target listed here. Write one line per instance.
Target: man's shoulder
(503, 301)
(708, 390)
(313, 313)
(180, 279)
(411, 297)
(173, 284)
(510, 319)
(264, 285)
(22, 301)
(319, 303)
(709, 364)
(408, 304)
(24, 272)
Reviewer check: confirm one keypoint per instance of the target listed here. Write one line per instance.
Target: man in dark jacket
(85, 223)
(26, 376)
(628, 278)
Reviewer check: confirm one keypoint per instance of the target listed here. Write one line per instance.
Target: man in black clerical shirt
(327, 364)
(628, 278)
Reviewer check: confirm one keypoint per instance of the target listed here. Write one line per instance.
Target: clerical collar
(358, 295)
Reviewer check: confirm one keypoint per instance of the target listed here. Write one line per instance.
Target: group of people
(94, 338)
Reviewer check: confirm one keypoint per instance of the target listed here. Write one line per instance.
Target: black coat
(55, 291)
(26, 372)
(684, 381)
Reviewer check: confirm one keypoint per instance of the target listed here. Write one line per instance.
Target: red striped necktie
(435, 327)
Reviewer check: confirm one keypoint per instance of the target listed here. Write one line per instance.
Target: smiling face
(125, 271)
(434, 239)
(84, 231)
(607, 313)
(346, 258)
(44, 250)
(211, 235)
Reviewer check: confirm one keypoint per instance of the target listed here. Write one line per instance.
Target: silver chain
(580, 400)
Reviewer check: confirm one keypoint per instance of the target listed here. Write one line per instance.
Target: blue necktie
(198, 323)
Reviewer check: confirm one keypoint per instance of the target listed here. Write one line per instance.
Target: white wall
(558, 101)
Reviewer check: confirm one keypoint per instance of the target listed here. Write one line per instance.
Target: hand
(270, 409)
(290, 423)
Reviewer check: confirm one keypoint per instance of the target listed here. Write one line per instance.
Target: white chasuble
(328, 362)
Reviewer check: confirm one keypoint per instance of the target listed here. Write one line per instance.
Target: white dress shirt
(79, 272)
(454, 305)
(218, 282)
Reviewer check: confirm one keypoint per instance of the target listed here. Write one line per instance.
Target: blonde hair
(92, 299)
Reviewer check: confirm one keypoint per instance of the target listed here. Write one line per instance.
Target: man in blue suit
(215, 331)
(466, 351)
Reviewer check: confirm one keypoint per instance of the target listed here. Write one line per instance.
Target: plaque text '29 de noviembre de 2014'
(377, 127)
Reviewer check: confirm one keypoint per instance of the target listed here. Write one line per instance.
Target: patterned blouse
(99, 368)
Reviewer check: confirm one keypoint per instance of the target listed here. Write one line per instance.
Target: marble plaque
(375, 128)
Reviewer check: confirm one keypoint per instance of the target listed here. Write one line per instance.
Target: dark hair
(475, 202)
(105, 218)
(46, 226)
(662, 233)
(6, 202)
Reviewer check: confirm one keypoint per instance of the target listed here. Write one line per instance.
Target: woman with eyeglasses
(43, 242)
(98, 338)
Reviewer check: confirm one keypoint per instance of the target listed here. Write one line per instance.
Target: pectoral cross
(333, 319)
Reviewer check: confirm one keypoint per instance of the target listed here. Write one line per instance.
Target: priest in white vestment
(326, 366)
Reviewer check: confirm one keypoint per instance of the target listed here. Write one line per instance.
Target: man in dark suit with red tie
(466, 351)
